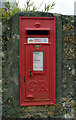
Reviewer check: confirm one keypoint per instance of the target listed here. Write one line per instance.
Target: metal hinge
(24, 79)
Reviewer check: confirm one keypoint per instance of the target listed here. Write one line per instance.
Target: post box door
(37, 74)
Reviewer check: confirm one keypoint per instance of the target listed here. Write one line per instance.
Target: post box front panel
(37, 61)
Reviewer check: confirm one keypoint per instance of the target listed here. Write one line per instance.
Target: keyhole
(30, 72)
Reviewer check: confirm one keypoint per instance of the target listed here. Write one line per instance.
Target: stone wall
(65, 70)
(0, 69)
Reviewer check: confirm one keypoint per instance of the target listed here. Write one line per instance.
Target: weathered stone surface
(65, 70)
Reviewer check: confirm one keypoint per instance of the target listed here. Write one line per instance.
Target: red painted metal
(37, 87)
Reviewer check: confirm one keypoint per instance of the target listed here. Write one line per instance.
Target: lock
(30, 73)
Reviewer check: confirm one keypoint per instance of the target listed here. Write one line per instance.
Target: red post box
(37, 60)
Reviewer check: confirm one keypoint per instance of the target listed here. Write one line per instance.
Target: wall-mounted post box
(37, 60)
